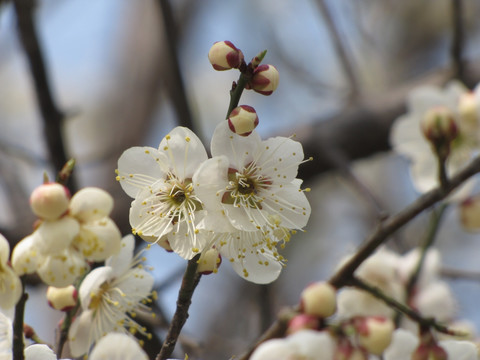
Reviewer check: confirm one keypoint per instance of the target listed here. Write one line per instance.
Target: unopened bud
(468, 110)
(346, 351)
(209, 262)
(91, 204)
(303, 322)
(243, 120)
(429, 352)
(50, 201)
(223, 55)
(375, 333)
(319, 299)
(63, 299)
(439, 127)
(470, 213)
(265, 79)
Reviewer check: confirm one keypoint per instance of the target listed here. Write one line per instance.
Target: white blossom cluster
(239, 204)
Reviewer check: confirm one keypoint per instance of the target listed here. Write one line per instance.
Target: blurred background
(120, 73)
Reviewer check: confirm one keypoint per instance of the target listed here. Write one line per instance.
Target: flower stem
(190, 281)
(67, 322)
(236, 92)
(18, 344)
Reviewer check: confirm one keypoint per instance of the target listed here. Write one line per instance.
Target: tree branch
(52, 116)
(393, 223)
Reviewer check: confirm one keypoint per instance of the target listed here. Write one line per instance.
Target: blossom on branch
(450, 119)
(10, 284)
(165, 208)
(110, 296)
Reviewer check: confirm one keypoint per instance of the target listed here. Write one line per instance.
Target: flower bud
(375, 333)
(91, 204)
(209, 262)
(439, 127)
(470, 213)
(63, 299)
(50, 201)
(319, 299)
(243, 120)
(302, 322)
(223, 55)
(429, 352)
(265, 79)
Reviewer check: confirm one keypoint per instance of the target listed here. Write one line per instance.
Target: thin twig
(436, 216)
(394, 304)
(189, 283)
(176, 86)
(457, 39)
(18, 343)
(393, 223)
(52, 116)
(340, 49)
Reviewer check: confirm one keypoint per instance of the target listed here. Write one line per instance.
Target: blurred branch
(393, 223)
(52, 117)
(339, 46)
(175, 84)
(457, 39)
(459, 274)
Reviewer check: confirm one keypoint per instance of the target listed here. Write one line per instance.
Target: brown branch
(394, 304)
(459, 274)
(393, 223)
(339, 46)
(457, 39)
(52, 116)
(173, 74)
(18, 343)
(189, 283)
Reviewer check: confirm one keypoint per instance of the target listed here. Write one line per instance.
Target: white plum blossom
(253, 199)
(251, 180)
(303, 344)
(118, 346)
(110, 296)
(165, 208)
(407, 138)
(10, 284)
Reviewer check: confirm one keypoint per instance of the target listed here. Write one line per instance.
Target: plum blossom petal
(10, 284)
(118, 346)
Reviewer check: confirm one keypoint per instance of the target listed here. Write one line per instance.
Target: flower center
(244, 187)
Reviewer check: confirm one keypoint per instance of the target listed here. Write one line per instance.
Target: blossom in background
(379, 270)
(118, 346)
(109, 297)
(59, 248)
(304, 344)
(10, 284)
(407, 138)
(165, 208)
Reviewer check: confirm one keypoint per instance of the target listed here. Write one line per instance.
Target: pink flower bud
(470, 213)
(375, 333)
(265, 79)
(319, 299)
(303, 322)
(63, 299)
(440, 128)
(243, 120)
(209, 262)
(429, 352)
(223, 55)
(50, 201)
